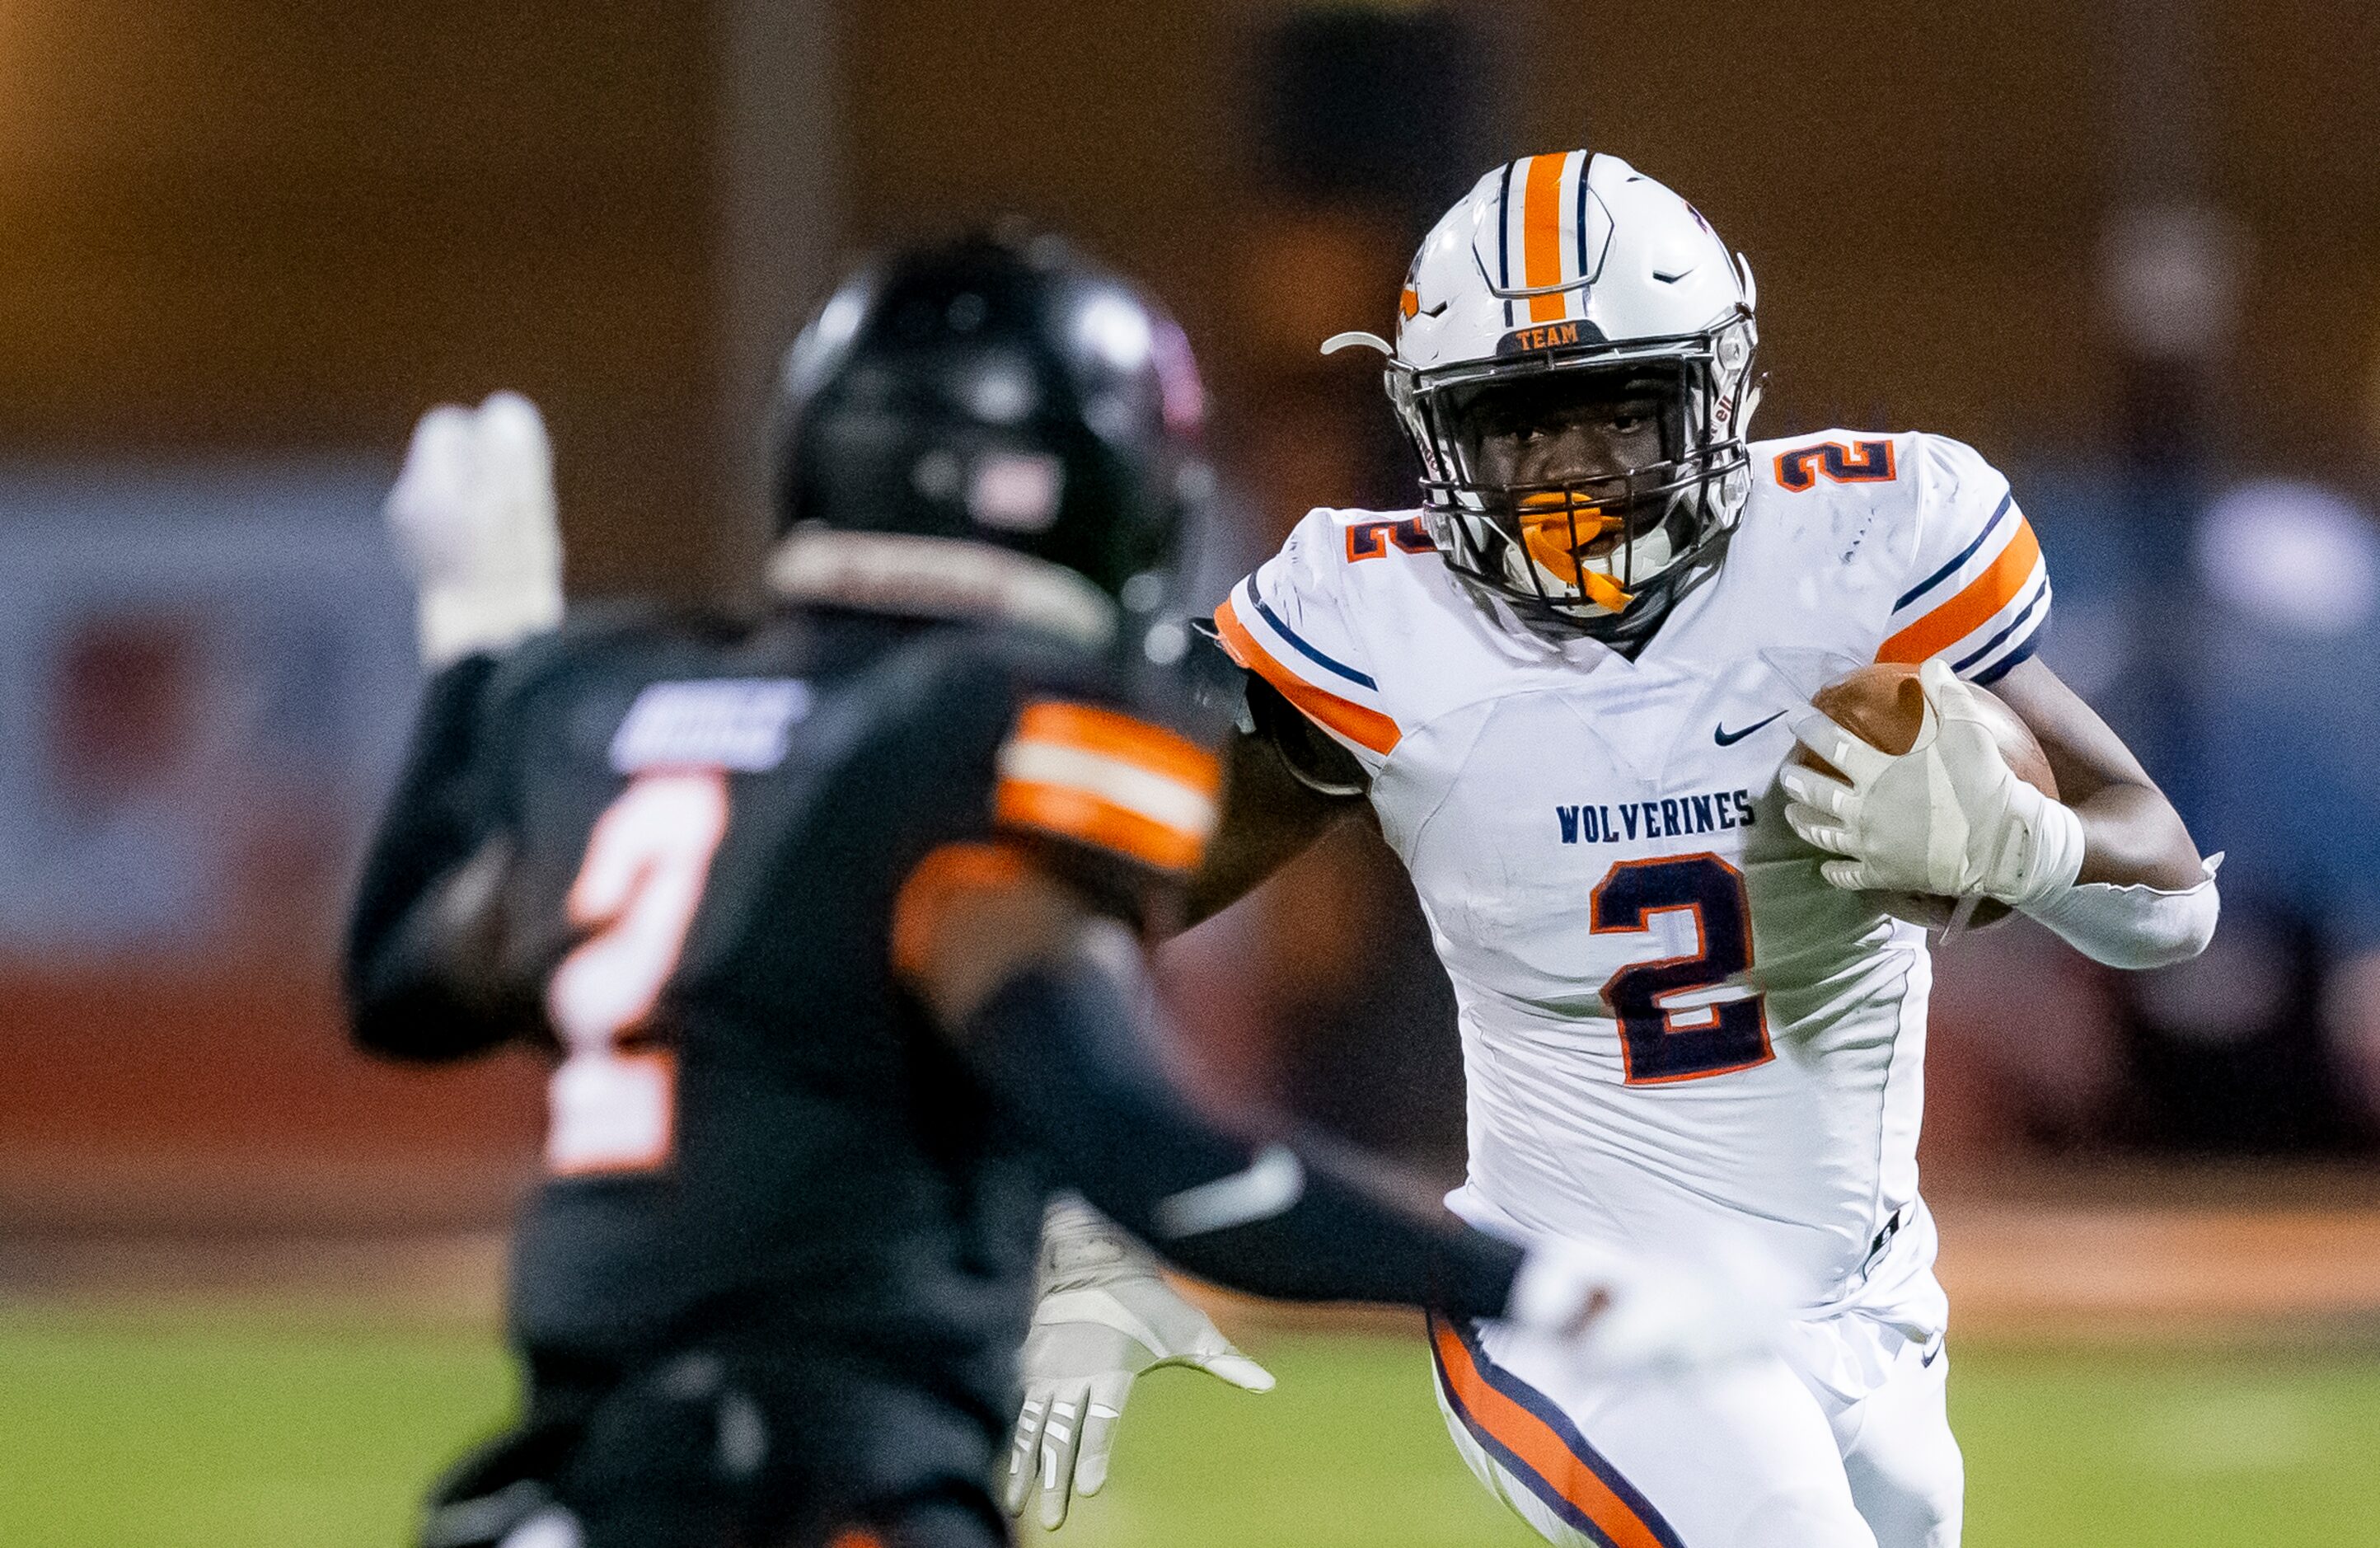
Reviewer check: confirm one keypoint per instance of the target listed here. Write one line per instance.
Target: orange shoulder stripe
(1365, 728)
(1533, 1440)
(1981, 597)
(1085, 818)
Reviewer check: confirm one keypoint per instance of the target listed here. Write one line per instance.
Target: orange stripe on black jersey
(1101, 778)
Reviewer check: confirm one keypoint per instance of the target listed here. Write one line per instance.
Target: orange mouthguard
(1553, 529)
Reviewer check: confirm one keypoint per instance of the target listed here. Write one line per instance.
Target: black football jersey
(693, 839)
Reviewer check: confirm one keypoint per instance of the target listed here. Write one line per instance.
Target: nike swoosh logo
(1271, 1183)
(1726, 737)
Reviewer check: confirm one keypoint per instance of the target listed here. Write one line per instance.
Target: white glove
(1612, 1314)
(472, 515)
(1948, 817)
(1105, 1316)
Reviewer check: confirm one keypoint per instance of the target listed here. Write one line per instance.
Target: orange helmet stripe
(1541, 224)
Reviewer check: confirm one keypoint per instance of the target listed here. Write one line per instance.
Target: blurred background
(2129, 249)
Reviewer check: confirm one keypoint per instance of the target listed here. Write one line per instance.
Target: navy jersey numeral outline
(1654, 1051)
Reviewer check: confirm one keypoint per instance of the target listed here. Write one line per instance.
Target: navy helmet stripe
(1585, 165)
(1309, 651)
(1504, 237)
(2008, 503)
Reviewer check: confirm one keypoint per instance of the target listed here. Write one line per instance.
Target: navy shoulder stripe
(2008, 503)
(1309, 651)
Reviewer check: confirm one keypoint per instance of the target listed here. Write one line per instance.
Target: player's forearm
(2132, 837)
(2143, 897)
(1063, 1044)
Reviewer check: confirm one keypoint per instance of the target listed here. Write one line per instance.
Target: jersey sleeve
(1978, 591)
(1289, 623)
(408, 987)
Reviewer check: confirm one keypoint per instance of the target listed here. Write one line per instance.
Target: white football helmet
(1562, 263)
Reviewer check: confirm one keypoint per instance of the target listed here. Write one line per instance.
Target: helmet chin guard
(1576, 263)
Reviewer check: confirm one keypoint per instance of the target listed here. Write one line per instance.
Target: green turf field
(178, 1428)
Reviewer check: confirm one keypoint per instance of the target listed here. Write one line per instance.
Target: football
(1883, 706)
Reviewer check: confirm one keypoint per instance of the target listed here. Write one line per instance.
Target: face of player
(1550, 432)
(1574, 430)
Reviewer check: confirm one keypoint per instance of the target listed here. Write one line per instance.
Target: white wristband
(2134, 926)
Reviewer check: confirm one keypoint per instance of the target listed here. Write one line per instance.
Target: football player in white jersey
(1567, 686)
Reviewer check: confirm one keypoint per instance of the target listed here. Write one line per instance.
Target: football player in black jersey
(831, 925)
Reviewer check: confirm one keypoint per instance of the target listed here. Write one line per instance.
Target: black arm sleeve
(1064, 1047)
(428, 885)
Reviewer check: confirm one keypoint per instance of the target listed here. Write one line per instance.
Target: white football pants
(1772, 1452)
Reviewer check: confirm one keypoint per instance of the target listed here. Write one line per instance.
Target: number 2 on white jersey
(613, 1104)
(1660, 1041)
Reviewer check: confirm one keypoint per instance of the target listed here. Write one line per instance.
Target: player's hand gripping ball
(1921, 833)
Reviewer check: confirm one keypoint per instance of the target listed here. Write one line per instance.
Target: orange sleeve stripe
(1367, 728)
(926, 896)
(1533, 1442)
(1119, 737)
(1541, 235)
(1981, 597)
(1085, 818)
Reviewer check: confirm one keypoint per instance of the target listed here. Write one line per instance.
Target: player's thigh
(1903, 1462)
(1739, 1457)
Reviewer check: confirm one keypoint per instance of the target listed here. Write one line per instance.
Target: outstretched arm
(1047, 1000)
(472, 515)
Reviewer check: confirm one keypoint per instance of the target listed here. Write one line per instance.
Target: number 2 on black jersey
(613, 1104)
(1660, 1041)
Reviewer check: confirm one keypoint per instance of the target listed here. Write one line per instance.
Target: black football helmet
(990, 425)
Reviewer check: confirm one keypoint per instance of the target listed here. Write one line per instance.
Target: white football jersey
(1669, 1021)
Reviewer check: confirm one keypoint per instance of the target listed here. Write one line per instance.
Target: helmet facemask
(1590, 545)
